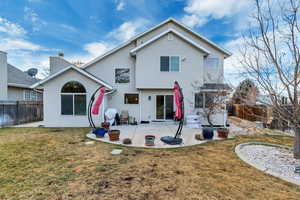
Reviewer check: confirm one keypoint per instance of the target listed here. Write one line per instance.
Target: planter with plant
(223, 132)
(114, 135)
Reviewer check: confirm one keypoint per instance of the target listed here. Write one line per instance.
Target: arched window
(73, 99)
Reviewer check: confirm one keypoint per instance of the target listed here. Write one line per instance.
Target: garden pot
(105, 125)
(114, 135)
(208, 133)
(223, 132)
(149, 140)
(100, 132)
(199, 137)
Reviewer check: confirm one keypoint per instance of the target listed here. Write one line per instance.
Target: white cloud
(120, 5)
(31, 16)
(193, 20)
(128, 29)
(97, 48)
(198, 12)
(8, 44)
(10, 28)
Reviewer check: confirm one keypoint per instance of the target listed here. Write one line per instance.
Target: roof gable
(227, 53)
(18, 78)
(83, 72)
(133, 51)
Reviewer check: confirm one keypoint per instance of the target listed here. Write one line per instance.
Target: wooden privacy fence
(19, 112)
(250, 112)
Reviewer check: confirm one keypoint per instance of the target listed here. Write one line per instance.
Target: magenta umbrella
(179, 115)
(96, 107)
(178, 101)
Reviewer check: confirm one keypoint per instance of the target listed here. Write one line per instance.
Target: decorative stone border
(261, 167)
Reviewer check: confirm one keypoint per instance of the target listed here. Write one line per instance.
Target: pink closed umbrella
(178, 101)
(98, 103)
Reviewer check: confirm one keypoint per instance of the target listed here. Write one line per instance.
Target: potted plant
(100, 132)
(114, 135)
(223, 132)
(208, 133)
(149, 140)
(105, 125)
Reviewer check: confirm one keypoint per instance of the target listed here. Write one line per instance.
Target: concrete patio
(158, 129)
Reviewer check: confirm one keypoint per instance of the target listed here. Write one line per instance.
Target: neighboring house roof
(133, 51)
(227, 53)
(18, 78)
(215, 86)
(83, 72)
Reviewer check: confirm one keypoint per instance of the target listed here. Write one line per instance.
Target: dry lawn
(42, 163)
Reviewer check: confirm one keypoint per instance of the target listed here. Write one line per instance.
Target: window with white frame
(31, 95)
(73, 99)
(204, 99)
(169, 63)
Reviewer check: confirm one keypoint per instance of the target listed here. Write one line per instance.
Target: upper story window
(73, 99)
(122, 75)
(169, 63)
(211, 62)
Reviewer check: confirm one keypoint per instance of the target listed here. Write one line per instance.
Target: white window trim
(129, 75)
(170, 64)
(73, 94)
(30, 95)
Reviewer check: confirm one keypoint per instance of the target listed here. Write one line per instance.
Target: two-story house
(142, 72)
(15, 85)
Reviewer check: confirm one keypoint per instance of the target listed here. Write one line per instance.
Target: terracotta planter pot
(105, 125)
(223, 132)
(114, 135)
(149, 140)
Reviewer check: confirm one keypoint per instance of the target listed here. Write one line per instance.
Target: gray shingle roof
(16, 76)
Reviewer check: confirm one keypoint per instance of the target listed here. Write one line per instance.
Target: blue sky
(33, 30)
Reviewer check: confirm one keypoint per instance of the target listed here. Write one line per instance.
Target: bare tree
(271, 57)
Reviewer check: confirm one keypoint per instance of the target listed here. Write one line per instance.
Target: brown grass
(43, 163)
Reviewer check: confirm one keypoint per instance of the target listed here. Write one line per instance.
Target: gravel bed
(273, 160)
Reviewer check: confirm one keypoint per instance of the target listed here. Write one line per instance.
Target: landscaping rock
(90, 143)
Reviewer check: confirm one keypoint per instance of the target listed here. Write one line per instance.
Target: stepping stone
(89, 143)
(116, 151)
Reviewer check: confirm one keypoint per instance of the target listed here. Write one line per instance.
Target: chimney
(57, 63)
(3, 76)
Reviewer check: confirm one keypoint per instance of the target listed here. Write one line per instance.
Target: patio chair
(124, 117)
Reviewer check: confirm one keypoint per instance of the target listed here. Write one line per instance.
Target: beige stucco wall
(105, 69)
(52, 101)
(148, 74)
(214, 53)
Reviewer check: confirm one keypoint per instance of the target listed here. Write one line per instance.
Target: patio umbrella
(98, 103)
(178, 101)
(179, 115)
